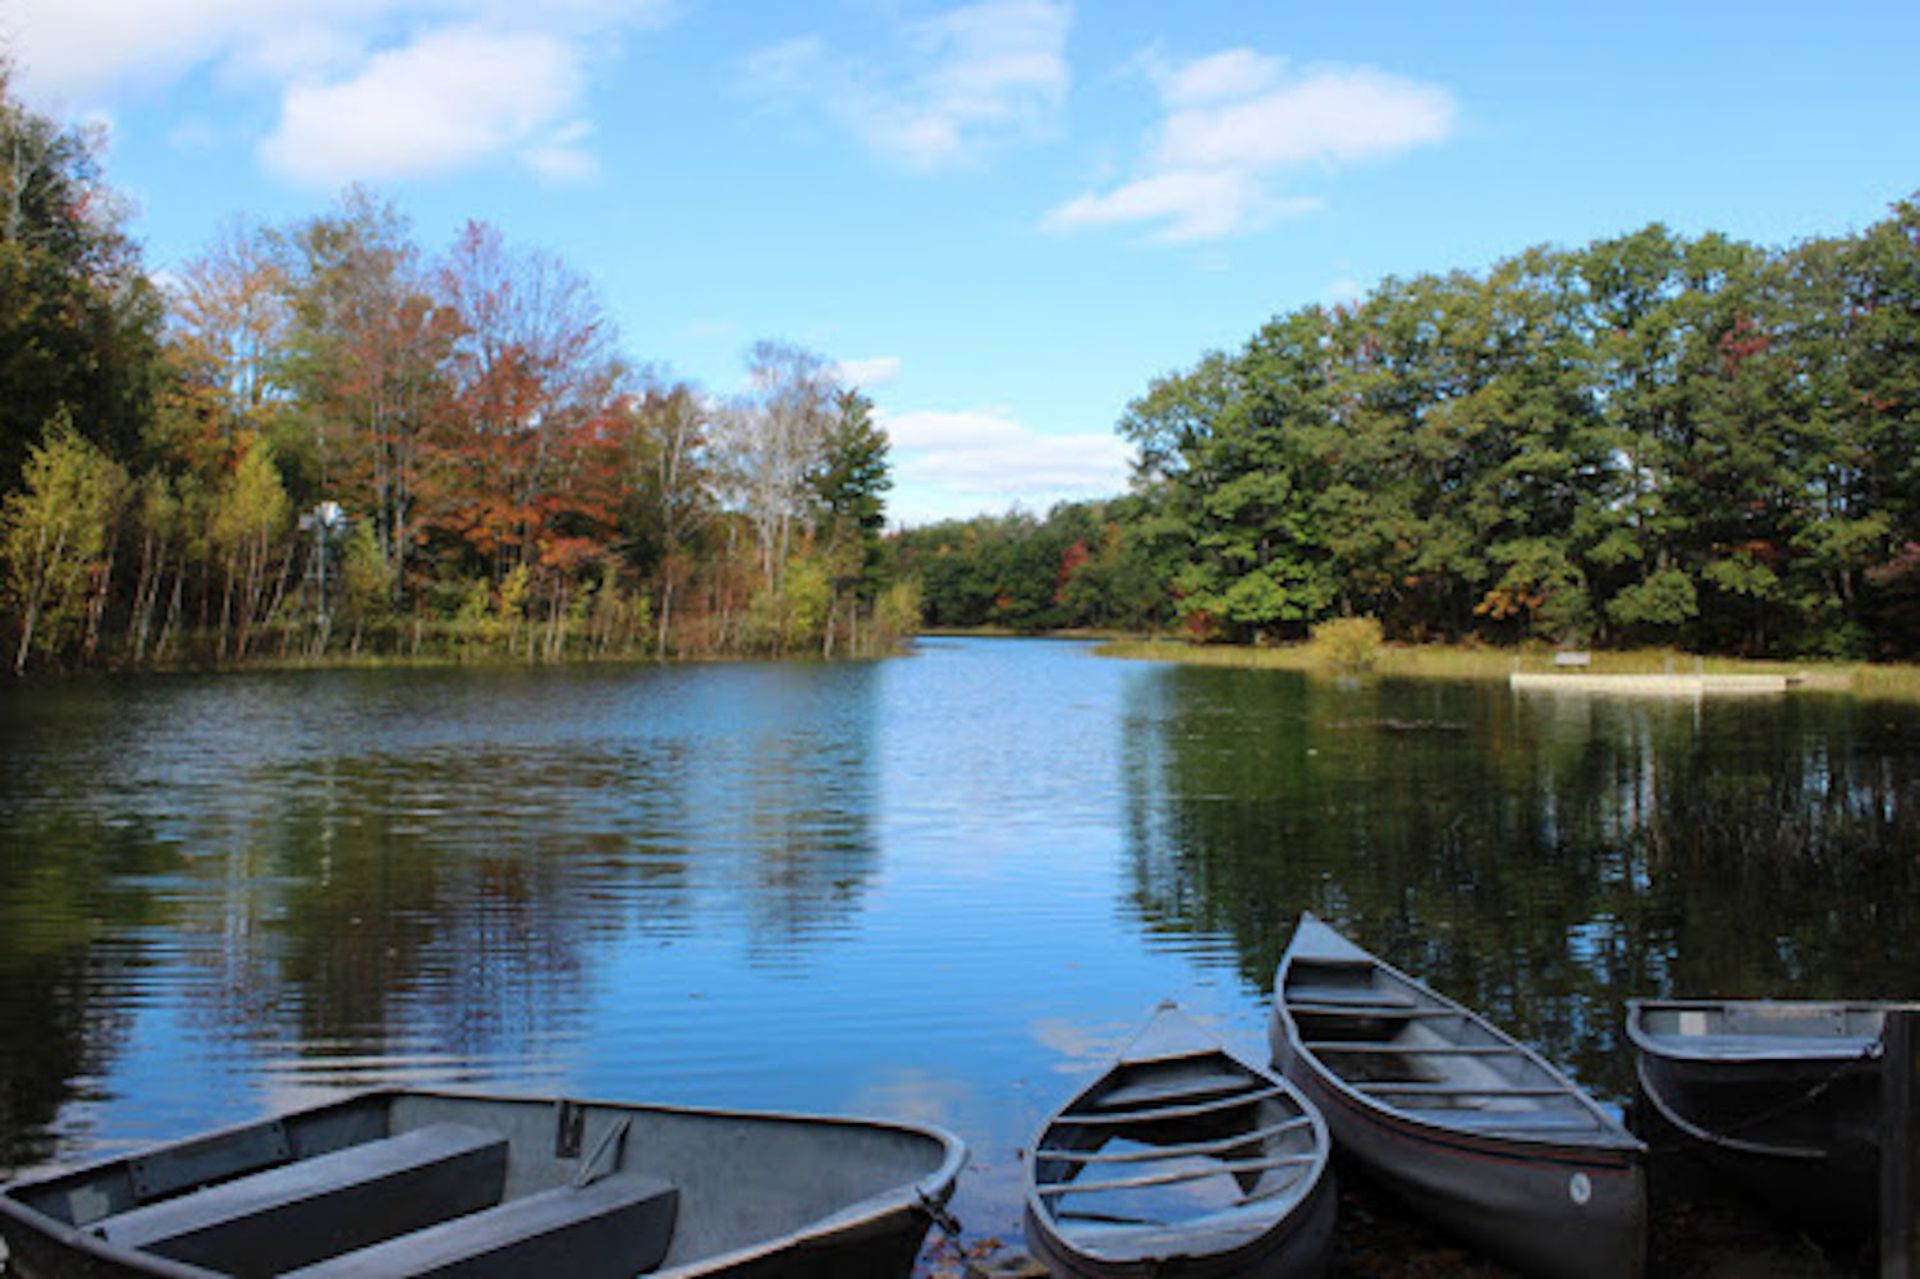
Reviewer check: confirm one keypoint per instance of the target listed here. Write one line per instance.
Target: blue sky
(1003, 217)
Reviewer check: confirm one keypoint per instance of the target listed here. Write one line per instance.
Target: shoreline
(1452, 662)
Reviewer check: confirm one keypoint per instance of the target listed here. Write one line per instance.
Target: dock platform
(1649, 685)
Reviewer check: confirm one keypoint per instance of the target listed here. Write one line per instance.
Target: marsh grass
(1442, 661)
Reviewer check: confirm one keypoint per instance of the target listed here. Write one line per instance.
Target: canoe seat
(303, 1211)
(1519, 1121)
(1349, 996)
(615, 1228)
(1157, 1092)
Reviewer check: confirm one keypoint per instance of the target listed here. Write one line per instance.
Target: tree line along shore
(324, 441)
(1654, 440)
(321, 440)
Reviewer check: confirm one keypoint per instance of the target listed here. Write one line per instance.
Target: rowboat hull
(1182, 1160)
(1492, 1144)
(724, 1193)
(1793, 1118)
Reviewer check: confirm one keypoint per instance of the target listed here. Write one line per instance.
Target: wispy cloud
(960, 462)
(951, 87)
(364, 88)
(870, 372)
(1237, 124)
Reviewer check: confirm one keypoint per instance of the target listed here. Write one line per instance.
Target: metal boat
(1466, 1125)
(1782, 1095)
(407, 1183)
(1181, 1160)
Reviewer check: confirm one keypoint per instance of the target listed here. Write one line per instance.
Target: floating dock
(1649, 685)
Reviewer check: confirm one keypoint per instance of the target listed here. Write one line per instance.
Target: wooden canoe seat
(1367, 1012)
(1415, 1048)
(301, 1212)
(1542, 1120)
(1431, 1088)
(1179, 1150)
(1349, 997)
(1160, 1092)
(1216, 1168)
(1161, 1114)
(615, 1228)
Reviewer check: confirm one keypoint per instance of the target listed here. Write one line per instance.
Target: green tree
(79, 321)
(56, 535)
(250, 518)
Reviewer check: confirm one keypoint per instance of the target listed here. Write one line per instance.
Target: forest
(321, 440)
(324, 440)
(1652, 439)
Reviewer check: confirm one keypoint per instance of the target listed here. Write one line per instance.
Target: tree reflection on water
(1542, 859)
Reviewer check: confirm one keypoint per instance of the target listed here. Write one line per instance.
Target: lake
(942, 887)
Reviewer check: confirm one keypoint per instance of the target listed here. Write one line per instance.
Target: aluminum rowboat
(404, 1183)
(1781, 1095)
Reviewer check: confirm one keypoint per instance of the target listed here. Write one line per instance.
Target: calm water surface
(944, 887)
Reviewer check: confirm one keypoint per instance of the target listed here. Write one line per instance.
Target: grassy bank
(1441, 661)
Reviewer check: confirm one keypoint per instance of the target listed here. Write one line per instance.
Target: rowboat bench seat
(297, 1213)
(617, 1227)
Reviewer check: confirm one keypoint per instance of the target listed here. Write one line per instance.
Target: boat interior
(1199, 1144)
(1403, 1047)
(411, 1183)
(1737, 1027)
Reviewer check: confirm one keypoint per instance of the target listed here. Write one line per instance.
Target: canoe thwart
(1351, 996)
(1221, 1168)
(1426, 1089)
(1230, 1142)
(1379, 1012)
(1413, 1050)
(1162, 1113)
(1173, 1091)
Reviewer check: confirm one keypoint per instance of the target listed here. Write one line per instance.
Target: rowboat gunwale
(1762, 1047)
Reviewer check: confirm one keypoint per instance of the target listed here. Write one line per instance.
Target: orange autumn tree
(527, 460)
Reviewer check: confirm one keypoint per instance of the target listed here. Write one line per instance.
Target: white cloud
(1238, 123)
(955, 84)
(1237, 73)
(949, 464)
(870, 372)
(1187, 205)
(563, 155)
(449, 99)
(351, 56)
(1334, 116)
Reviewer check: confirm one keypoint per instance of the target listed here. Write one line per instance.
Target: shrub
(1348, 644)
